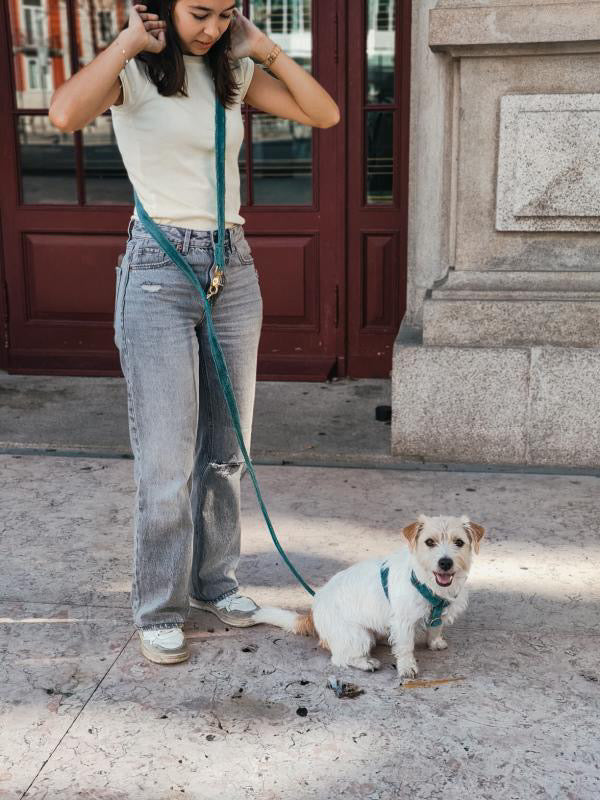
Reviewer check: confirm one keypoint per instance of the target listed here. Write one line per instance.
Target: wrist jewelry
(271, 57)
(126, 59)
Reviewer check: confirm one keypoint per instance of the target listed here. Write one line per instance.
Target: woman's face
(200, 23)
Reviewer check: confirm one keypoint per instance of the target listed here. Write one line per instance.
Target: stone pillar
(498, 357)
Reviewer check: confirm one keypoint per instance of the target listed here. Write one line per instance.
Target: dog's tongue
(443, 579)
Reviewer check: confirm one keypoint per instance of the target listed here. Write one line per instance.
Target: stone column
(498, 357)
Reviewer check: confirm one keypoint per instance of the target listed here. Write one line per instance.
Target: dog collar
(384, 574)
(438, 604)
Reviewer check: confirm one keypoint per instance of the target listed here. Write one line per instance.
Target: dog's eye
(430, 542)
(458, 542)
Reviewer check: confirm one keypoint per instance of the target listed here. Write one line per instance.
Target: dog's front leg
(435, 639)
(402, 639)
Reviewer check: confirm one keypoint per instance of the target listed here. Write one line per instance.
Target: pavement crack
(76, 717)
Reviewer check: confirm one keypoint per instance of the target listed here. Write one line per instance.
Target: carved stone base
(514, 309)
(495, 405)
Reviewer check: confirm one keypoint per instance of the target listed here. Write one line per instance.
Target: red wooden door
(328, 239)
(377, 119)
(294, 217)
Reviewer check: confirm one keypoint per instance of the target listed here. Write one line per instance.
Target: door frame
(6, 157)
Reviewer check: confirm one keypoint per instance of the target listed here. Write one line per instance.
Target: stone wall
(498, 357)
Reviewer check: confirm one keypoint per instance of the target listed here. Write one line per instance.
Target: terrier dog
(423, 582)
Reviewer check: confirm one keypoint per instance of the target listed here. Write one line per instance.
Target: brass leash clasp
(216, 283)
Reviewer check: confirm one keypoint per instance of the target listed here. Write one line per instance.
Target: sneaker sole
(162, 657)
(235, 622)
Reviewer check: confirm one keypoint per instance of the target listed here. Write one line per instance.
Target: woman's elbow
(59, 120)
(333, 120)
(59, 116)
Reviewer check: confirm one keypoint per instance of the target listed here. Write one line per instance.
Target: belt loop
(129, 228)
(186, 240)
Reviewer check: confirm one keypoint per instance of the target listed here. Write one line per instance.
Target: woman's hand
(247, 39)
(148, 30)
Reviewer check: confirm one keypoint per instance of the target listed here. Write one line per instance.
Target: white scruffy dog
(421, 583)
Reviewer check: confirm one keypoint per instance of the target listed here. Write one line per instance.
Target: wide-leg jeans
(187, 461)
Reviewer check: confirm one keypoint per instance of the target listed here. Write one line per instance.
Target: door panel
(292, 219)
(378, 105)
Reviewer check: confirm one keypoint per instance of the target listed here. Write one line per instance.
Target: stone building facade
(498, 356)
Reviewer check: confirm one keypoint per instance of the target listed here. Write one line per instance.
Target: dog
(423, 582)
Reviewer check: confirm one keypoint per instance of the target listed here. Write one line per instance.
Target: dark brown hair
(167, 68)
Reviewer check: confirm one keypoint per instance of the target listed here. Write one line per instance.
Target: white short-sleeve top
(168, 145)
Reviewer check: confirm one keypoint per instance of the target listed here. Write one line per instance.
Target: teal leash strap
(215, 348)
(220, 159)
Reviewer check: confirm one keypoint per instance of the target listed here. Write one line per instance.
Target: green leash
(215, 285)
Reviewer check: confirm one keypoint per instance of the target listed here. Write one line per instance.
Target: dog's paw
(366, 663)
(407, 669)
(437, 644)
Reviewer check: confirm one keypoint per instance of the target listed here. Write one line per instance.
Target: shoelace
(237, 602)
(166, 636)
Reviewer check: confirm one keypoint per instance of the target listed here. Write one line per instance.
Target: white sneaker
(164, 645)
(235, 609)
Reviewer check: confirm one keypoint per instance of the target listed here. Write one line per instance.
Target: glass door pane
(40, 46)
(380, 99)
(289, 24)
(380, 156)
(106, 181)
(282, 150)
(380, 51)
(46, 161)
(97, 23)
(282, 161)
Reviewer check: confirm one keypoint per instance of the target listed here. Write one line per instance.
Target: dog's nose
(445, 564)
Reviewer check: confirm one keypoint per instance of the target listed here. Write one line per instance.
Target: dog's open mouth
(443, 578)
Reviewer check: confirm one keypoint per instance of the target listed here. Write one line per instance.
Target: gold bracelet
(271, 57)
(125, 54)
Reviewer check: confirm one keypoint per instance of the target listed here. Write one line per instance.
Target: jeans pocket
(148, 255)
(243, 251)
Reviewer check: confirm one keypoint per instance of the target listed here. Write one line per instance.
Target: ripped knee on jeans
(227, 469)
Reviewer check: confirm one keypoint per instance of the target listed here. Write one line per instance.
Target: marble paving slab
(83, 716)
(522, 723)
(52, 658)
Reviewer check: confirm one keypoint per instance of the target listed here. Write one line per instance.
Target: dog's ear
(475, 533)
(412, 531)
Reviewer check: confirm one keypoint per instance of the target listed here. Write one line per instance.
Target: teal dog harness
(215, 285)
(438, 604)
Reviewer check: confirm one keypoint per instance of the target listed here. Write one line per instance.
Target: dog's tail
(301, 624)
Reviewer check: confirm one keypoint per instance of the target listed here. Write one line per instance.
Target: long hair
(167, 69)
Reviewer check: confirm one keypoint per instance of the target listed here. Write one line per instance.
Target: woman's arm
(293, 93)
(95, 87)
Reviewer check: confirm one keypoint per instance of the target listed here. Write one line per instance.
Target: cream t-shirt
(168, 145)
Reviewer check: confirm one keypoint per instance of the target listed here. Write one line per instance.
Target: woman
(159, 78)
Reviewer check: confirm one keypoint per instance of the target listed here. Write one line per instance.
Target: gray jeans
(187, 461)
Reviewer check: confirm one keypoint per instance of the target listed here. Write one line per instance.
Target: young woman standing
(159, 78)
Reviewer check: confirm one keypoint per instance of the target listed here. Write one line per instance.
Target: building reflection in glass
(380, 90)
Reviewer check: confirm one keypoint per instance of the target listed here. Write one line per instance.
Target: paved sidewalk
(85, 717)
(304, 423)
